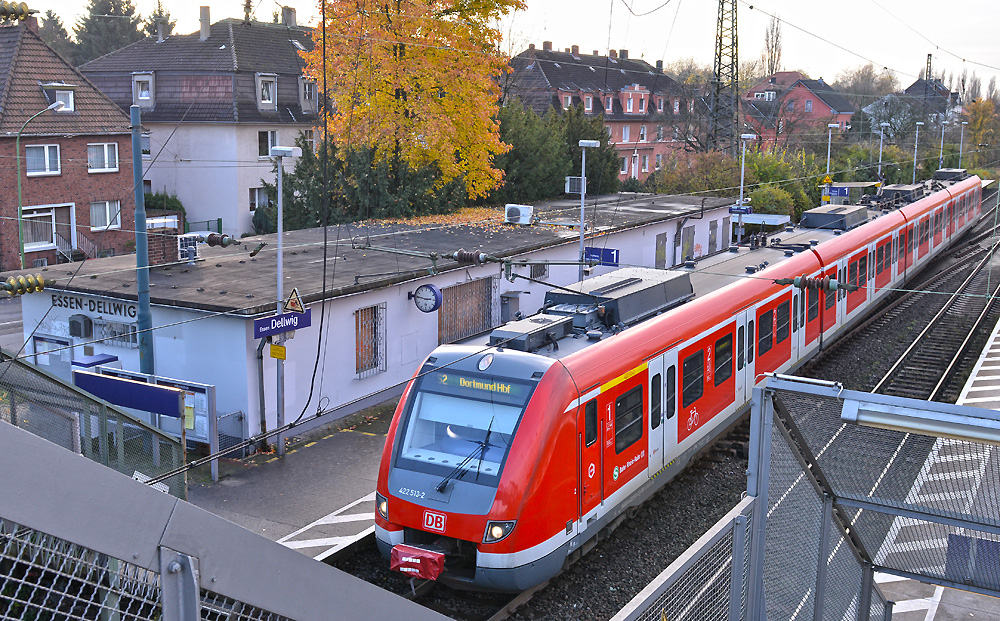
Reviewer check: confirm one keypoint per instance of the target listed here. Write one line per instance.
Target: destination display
(477, 387)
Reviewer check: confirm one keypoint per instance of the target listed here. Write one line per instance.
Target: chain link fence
(48, 407)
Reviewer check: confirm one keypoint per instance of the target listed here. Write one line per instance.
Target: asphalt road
(11, 333)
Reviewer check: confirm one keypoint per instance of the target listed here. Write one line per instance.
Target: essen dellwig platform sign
(277, 324)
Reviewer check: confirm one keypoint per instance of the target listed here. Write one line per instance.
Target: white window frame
(809, 105)
(625, 133)
(642, 104)
(307, 95)
(610, 105)
(255, 196)
(642, 133)
(146, 146)
(623, 165)
(137, 98)
(677, 106)
(645, 163)
(30, 213)
(659, 104)
(309, 137)
(112, 213)
(67, 97)
(272, 141)
(588, 103)
(106, 147)
(47, 172)
(659, 161)
(271, 102)
(567, 101)
(628, 105)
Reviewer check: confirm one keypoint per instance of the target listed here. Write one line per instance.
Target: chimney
(596, 53)
(613, 54)
(531, 47)
(288, 16)
(546, 46)
(623, 54)
(159, 31)
(576, 50)
(566, 50)
(32, 23)
(206, 24)
(659, 66)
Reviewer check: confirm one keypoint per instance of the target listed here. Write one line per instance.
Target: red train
(500, 464)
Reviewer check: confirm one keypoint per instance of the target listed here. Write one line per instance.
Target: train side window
(831, 298)
(590, 422)
(740, 345)
(841, 293)
(655, 395)
(750, 346)
(895, 248)
(694, 378)
(628, 419)
(852, 273)
(802, 310)
(671, 391)
(782, 322)
(863, 271)
(765, 333)
(813, 296)
(723, 359)
(795, 313)
(878, 259)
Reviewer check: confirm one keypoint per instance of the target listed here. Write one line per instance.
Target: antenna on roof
(246, 12)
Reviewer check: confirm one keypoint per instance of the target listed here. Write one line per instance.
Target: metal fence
(45, 405)
(80, 542)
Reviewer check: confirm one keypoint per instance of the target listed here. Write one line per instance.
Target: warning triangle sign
(294, 303)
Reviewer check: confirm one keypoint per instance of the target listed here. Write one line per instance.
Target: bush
(772, 199)
(164, 201)
(631, 185)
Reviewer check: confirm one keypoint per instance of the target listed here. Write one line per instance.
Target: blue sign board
(836, 191)
(285, 322)
(603, 256)
(746, 209)
(132, 394)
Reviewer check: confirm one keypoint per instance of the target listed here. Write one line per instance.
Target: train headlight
(382, 506)
(497, 531)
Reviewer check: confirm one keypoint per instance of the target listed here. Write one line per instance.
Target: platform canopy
(769, 219)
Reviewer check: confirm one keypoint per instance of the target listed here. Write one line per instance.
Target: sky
(819, 39)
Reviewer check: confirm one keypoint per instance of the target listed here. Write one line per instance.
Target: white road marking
(330, 516)
(332, 544)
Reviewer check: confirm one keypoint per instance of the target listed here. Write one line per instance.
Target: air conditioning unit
(519, 214)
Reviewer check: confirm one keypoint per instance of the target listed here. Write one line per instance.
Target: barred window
(117, 333)
(468, 309)
(369, 324)
(539, 270)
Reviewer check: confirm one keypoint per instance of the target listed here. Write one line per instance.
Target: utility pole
(723, 121)
(144, 316)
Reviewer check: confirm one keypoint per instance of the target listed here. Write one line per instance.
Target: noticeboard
(198, 405)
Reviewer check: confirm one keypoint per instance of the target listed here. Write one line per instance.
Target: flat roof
(229, 280)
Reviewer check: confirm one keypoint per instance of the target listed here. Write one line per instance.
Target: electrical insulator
(14, 10)
(19, 285)
(214, 239)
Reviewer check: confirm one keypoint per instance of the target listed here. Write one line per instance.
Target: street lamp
(17, 157)
(584, 144)
(743, 162)
(961, 141)
(829, 139)
(881, 136)
(941, 151)
(916, 141)
(280, 153)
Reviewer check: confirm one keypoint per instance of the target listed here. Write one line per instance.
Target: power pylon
(723, 120)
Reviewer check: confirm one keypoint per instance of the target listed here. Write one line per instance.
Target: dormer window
(267, 92)
(60, 91)
(588, 104)
(66, 97)
(659, 105)
(628, 105)
(610, 105)
(143, 89)
(642, 104)
(567, 101)
(307, 95)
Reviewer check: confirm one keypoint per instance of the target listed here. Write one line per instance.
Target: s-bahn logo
(615, 473)
(435, 521)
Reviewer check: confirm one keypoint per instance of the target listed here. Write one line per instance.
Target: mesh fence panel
(36, 402)
(232, 431)
(701, 593)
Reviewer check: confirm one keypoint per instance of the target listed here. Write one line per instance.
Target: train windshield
(460, 425)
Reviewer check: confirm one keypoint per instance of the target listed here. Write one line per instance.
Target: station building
(367, 335)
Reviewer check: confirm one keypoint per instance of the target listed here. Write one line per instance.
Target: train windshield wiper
(463, 467)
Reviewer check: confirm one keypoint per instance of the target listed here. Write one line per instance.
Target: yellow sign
(828, 179)
(278, 352)
(294, 303)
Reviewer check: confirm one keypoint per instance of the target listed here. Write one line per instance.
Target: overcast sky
(820, 39)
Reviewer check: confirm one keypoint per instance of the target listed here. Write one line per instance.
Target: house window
(145, 146)
(147, 186)
(266, 140)
(39, 228)
(469, 308)
(142, 90)
(659, 161)
(267, 88)
(308, 91)
(628, 105)
(677, 106)
(809, 105)
(622, 165)
(258, 198)
(369, 328)
(691, 106)
(645, 163)
(659, 104)
(42, 159)
(642, 104)
(567, 101)
(102, 157)
(659, 133)
(790, 106)
(610, 104)
(309, 137)
(588, 104)
(607, 130)
(66, 97)
(105, 215)
(642, 133)
(625, 133)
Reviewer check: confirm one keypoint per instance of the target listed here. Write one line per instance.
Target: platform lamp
(280, 153)
(743, 161)
(584, 145)
(17, 158)
(829, 139)
(881, 137)
(916, 141)
(961, 142)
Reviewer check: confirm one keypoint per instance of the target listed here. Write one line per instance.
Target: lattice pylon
(723, 121)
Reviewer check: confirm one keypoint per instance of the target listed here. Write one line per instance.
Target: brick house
(214, 102)
(638, 103)
(76, 161)
(788, 102)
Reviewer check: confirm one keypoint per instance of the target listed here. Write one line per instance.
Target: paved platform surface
(916, 601)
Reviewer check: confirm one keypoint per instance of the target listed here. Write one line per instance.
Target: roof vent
(206, 24)
(518, 214)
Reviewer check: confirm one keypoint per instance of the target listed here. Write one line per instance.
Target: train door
(745, 343)
(590, 439)
(662, 375)
(951, 220)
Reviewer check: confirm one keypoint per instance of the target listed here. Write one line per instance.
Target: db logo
(435, 521)
(591, 470)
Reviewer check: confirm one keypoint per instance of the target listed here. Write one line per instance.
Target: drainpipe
(260, 390)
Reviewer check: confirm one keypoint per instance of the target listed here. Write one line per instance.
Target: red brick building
(641, 107)
(788, 102)
(76, 161)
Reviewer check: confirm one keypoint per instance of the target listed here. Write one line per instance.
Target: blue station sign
(603, 256)
(285, 322)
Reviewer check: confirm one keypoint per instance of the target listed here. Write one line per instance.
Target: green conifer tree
(106, 26)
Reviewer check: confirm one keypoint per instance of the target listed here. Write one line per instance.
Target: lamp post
(17, 157)
(280, 153)
(881, 137)
(830, 127)
(941, 150)
(584, 144)
(961, 142)
(743, 162)
(916, 141)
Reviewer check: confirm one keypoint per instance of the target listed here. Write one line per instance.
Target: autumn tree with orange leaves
(414, 82)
